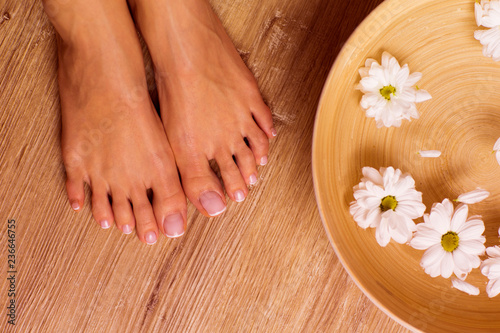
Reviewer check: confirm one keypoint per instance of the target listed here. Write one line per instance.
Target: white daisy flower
(491, 269)
(496, 149)
(387, 200)
(464, 286)
(473, 197)
(429, 153)
(490, 39)
(389, 91)
(487, 13)
(453, 242)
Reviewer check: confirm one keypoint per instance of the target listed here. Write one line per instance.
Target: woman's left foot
(210, 103)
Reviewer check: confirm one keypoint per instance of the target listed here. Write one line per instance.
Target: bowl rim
(319, 202)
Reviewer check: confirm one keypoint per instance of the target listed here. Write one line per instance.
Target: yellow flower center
(449, 241)
(387, 91)
(389, 202)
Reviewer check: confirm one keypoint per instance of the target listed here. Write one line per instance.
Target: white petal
(475, 247)
(411, 209)
(459, 217)
(463, 261)
(429, 153)
(373, 218)
(447, 265)
(399, 229)
(369, 83)
(413, 79)
(425, 237)
(382, 233)
(373, 175)
(369, 62)
(448, 205)
(465, 287)
(432, 255)
(473, 197)
(440, 219)
(478, 13)
(493, 288)
(496, 147)
(491, 268)
(386, 57)
(493, 251)
(422, 96)
(471, 230)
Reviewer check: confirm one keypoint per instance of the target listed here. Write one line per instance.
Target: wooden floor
(264, 266)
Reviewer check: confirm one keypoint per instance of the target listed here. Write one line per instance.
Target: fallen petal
(473, 197)
(429, 153)
(465, 287)
(422, 96)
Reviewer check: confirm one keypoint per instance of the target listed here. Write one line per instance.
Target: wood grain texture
(266, 265)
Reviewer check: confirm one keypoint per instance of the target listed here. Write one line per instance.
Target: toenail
(263, 160)
(253, 179)
(105, 224)
(126, 229)
(273, 132)
(174, 225)
(151, 237)
(75, 205)
(212, 203)
(239, 196)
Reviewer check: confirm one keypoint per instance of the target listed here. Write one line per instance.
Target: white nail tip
(218, 213)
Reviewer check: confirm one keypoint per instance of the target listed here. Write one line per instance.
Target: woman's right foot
(112, 137)
(211, 105)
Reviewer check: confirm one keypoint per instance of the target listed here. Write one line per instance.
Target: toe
(122, 211)
(76, 193)
(259, 143)
(169, 206)
(146, 226)
(245, 160)
(201, 185)
(264, 118)
(101, 208)
(232, 177)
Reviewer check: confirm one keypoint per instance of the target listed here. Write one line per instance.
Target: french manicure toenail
(273, 132)
(75, 205)
(253, 179)
(126, 229)
(174, 225)
(263, 160)
(239, 196)
(151, 237)
(212, 203)
(105, 224)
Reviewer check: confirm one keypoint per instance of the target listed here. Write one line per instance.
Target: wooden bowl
(462, 120)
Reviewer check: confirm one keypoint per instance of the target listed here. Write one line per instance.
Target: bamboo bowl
(462, 120)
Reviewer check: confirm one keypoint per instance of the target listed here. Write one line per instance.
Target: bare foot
(112, 138)
(210, 102)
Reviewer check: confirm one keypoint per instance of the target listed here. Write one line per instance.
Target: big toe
(202, 186)
(169, 206)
